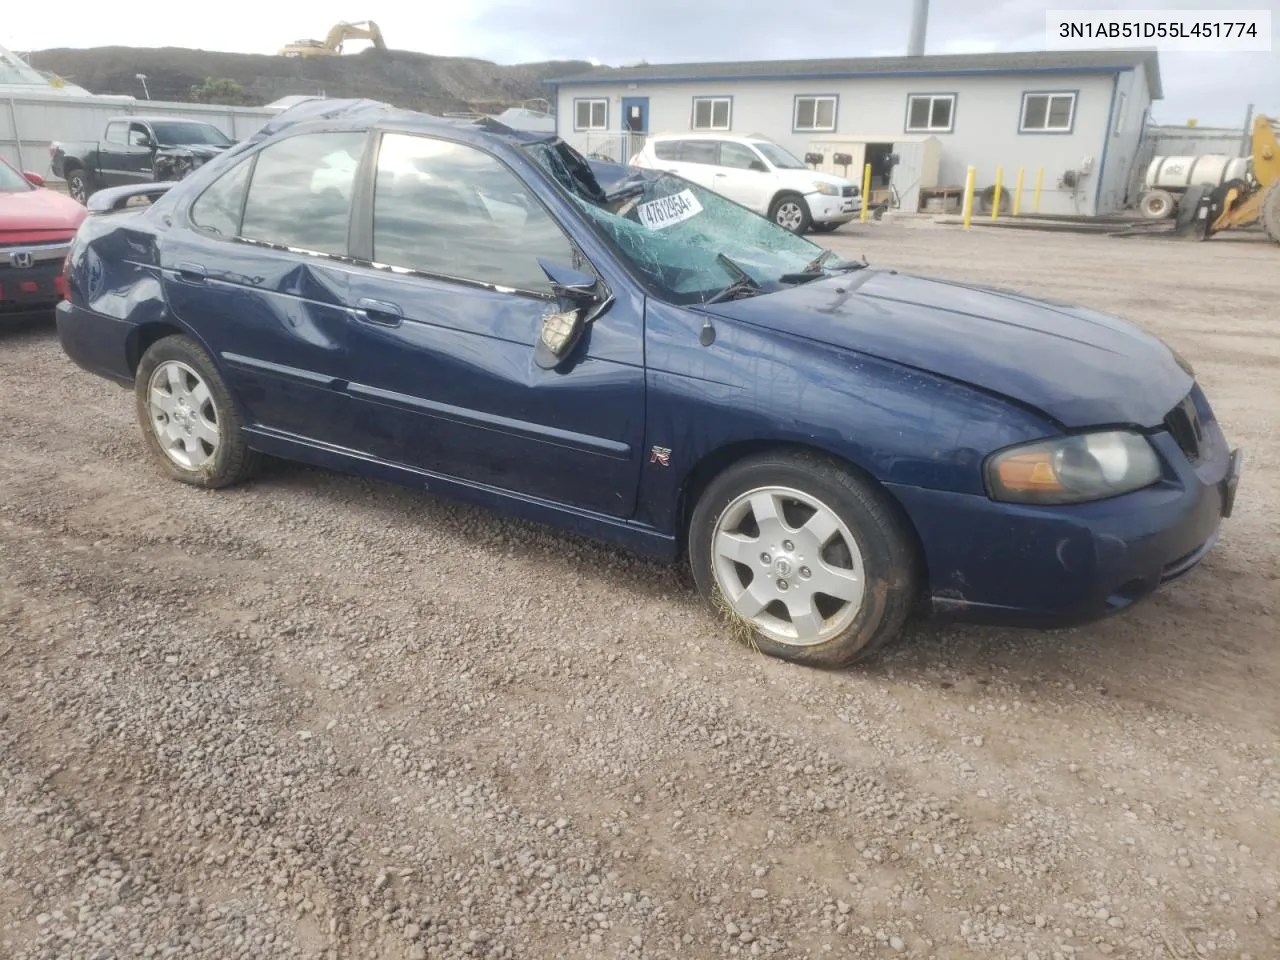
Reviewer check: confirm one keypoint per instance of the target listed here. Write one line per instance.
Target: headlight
(826, 189)
(1076, 469)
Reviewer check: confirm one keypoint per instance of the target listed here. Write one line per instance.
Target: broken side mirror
(33, 178)
(580, 298)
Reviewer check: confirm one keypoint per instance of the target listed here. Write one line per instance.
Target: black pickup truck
(136, 150)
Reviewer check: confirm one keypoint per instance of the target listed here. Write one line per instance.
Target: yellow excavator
(331, 45)
(1240, 202)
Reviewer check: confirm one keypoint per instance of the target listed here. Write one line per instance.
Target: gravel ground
(323, 717)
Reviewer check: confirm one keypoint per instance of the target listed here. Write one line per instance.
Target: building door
(635, 125)
(635, 114)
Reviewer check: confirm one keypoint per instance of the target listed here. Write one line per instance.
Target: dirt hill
(406, 79)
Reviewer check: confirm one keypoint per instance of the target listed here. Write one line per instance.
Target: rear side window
(700, 151)
(217, 210)
(300, 192)
(667, 149)
(115, 132)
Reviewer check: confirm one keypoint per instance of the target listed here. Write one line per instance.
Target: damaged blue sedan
(483, 313)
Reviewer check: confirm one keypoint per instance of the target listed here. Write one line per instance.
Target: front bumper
(31, 279)
(828, 209)
(1051, 567)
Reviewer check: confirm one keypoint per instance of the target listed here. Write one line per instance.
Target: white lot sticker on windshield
(676, 208)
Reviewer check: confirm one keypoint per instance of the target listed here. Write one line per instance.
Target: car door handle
(192, 273)
(379, 311)
(721, 174)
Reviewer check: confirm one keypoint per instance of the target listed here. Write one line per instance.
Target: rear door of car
(443, 334)
(259, 277)
(111, 153)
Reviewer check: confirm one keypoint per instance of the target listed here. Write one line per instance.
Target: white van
(758, 174)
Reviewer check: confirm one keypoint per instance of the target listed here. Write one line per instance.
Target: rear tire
(1157, 205)
(78, 186)
(1269, 212)
(806, 561)
(790, 212)
(189, 421)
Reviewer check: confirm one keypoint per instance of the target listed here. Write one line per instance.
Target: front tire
(809, 561)
(825, 227)
(188, 419)
(790, 212)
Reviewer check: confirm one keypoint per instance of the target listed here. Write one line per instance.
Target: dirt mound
(415, 80)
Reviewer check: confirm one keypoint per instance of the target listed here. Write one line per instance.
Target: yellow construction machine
(331, 45)
(1241, 201)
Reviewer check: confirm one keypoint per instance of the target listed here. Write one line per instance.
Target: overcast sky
(1214, 88)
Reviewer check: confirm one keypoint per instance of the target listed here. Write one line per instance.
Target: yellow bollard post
(968, 195)
(866, 193)
(995, 199)
(1039, 183)
(1017, 194)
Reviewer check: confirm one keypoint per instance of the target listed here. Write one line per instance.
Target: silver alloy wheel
(790, 215)
(77, 187)
(789, 565)
(183, 416)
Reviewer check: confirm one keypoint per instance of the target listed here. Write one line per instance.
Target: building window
(1121, 102)
(1047, 112)
(591, 114)
(931, 113)
(815, 114)
(712, 113)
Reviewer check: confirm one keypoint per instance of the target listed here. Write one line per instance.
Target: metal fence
(29, 123)
(619, 147)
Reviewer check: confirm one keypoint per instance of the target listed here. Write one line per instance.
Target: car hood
(39, 211)
(204, 150)
(1080, 367)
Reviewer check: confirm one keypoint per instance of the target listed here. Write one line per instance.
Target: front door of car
(743, 177)
(273, 311)
(442, 358)
(137, 156)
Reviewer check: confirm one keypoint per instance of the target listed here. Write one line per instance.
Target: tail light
(62, 282)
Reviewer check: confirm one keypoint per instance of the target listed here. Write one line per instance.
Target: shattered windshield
(779, 157)
(678, 234)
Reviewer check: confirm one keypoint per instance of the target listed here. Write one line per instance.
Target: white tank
(1178, 173)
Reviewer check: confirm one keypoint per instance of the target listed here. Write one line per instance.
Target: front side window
(452, 210)
(815, 113)
(138, 136)
(930, 113)
(712, 113)
(300, 192)
(1047, 112)
(591, 114)
(738, 157)
(780, 157)
(11, 181)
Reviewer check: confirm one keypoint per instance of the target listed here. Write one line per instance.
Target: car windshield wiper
(817, 268)
(743, 283)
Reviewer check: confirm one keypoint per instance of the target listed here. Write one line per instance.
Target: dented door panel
(451, 386)
(276, 322)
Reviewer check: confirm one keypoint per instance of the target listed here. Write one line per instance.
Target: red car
(36, 227)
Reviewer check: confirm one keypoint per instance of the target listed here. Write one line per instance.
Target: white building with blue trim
(1077, 115)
